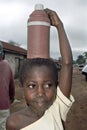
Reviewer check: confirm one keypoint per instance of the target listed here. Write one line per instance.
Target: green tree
(85, 55)
(80, 59)
(14, 43)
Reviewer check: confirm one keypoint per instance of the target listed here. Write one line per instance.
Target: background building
(15, 56)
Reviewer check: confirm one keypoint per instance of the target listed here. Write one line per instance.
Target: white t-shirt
(51, 120)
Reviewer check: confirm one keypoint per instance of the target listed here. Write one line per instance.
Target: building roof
(13, 49)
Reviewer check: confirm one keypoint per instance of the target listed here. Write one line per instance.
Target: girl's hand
(54, 19)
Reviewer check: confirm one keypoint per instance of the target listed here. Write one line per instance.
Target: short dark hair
(37, 62)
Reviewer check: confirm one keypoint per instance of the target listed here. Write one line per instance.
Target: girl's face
(39, 89)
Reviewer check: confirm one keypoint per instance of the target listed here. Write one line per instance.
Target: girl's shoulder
(20, 119)
(16, 120)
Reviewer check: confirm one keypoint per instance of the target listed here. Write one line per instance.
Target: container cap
(39, 7)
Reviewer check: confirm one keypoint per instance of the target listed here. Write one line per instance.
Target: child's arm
(65, 79)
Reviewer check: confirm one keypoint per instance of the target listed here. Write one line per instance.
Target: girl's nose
(40, 91)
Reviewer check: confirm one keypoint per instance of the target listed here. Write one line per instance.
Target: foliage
(85, 55)
(80, 59)
(14, 43)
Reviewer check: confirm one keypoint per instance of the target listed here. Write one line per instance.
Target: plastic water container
(38, 33)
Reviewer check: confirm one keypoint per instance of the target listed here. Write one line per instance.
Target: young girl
(48, 101)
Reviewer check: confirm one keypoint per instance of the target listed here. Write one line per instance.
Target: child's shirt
(52, 119)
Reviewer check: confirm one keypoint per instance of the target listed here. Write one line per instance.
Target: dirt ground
(77, 116)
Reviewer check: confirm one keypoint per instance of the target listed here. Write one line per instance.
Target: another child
(48, 101)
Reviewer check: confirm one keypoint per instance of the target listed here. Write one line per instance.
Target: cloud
(14, 16)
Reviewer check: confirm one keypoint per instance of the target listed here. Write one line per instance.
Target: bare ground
(77, 116)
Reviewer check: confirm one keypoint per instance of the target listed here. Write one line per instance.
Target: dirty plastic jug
(38, 33)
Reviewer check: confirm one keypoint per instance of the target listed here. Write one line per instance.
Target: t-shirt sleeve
(64, 103)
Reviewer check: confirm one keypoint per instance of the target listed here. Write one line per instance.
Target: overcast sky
(15, 13)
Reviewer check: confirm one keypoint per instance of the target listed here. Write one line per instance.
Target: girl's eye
(31, 86)
(47, 85)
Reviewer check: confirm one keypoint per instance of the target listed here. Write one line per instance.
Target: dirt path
(77, 116)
